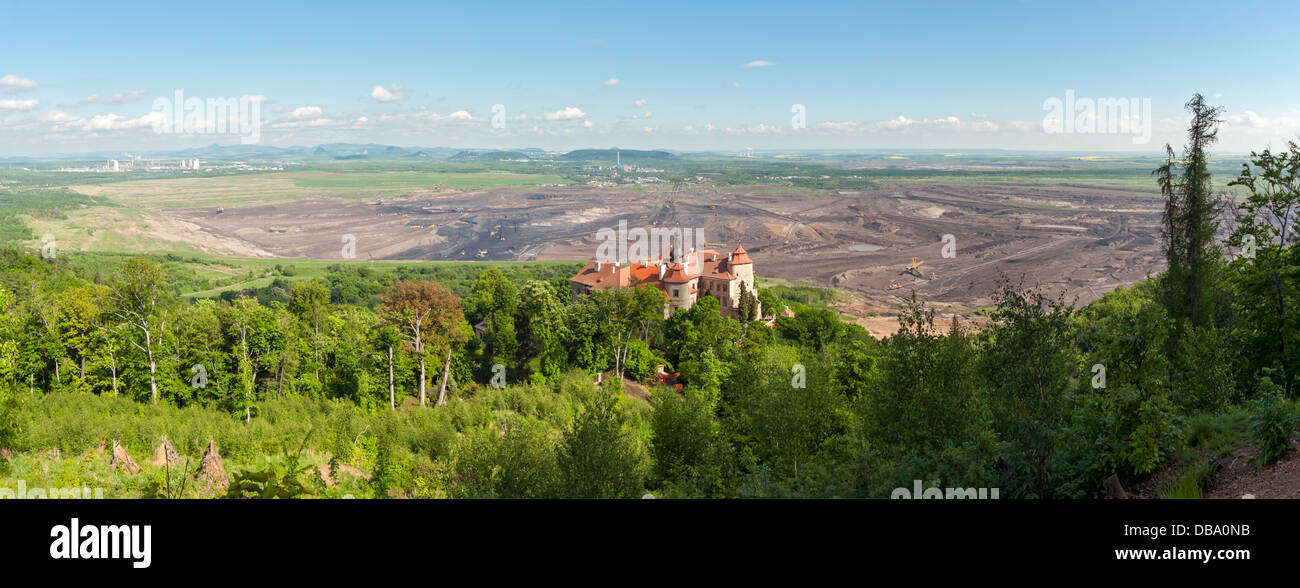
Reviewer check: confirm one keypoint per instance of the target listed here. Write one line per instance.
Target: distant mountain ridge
(346, 151)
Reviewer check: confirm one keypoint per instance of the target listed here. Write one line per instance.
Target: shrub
(13, 420)
(1272, 423)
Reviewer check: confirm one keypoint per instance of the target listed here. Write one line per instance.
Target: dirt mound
(343, 469)
(211, 471)
(165, 454)
(634, 389)
(121, 459)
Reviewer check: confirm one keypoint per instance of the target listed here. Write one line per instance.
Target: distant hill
(488, 156)
(627, 155)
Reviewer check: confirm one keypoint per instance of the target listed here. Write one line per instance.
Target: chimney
(597, 266)
(662, 269)
(728, 257)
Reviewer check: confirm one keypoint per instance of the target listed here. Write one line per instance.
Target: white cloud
(422, 115)
(945, 123)
(567, 113)
(759, 63)
(255, 98)
(611, 82)
(639, 103)
(1256, 131)
(58, 121)
(392, 93)
(120, 98)
(23, 105)
(762, 129)
(646, 114)
(903, 124)
(13, 83)
(734, 84)
(1248, 118)
(113, 122)
(58, 116)
(849, 126)
(306, 113)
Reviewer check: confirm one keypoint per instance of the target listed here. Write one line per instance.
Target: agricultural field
(243, 190)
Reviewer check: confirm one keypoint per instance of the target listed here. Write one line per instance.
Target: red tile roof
(707, 263)
(739, 256)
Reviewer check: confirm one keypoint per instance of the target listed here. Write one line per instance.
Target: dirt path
(1239, 476)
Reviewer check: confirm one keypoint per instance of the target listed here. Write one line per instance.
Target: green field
(251, 190)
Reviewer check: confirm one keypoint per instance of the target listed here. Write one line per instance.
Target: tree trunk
(446, 373)
(153, 368)
(421, 379)
(392, 396)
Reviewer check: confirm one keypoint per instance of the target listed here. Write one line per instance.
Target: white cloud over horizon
(25, 129)
(392, 93)
(21, 105)
(119, 98)
(13, 84)
(566, 113)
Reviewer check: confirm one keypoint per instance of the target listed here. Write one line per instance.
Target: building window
(676, 292)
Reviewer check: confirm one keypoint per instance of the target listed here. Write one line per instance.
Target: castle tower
(742, 267)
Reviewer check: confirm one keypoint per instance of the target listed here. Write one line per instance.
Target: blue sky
(681, 75)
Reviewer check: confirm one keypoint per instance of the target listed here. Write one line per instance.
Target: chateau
(683, 278)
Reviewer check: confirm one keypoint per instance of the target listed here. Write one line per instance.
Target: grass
(392, 182)
(420, 440)
(251, 190)
(1191, 483)
(1207, 438)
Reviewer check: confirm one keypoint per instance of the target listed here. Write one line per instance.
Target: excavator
(914, 268)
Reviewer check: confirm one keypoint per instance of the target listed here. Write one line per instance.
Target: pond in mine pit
(865, 247)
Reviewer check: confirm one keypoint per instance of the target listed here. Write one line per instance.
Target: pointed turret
(739, 256)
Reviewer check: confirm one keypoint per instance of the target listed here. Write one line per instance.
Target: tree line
(1047, 400)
